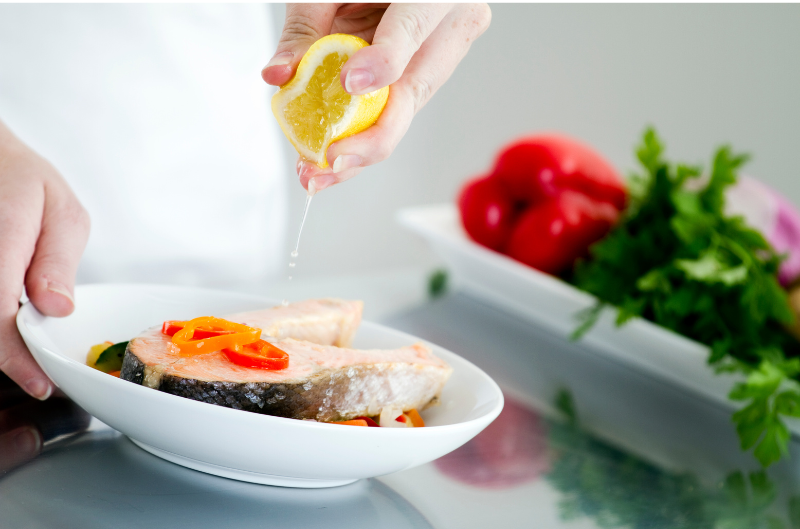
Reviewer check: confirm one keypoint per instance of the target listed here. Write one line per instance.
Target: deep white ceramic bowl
(232, 443)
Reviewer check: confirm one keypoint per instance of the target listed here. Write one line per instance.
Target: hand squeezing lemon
(314, 110)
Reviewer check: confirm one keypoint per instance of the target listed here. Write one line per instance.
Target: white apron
(157, 117)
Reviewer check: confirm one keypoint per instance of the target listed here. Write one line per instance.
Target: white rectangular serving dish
(554, 304)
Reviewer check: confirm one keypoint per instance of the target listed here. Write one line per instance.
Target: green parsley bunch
(678, 260)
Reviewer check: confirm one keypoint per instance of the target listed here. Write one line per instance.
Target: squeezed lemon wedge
(314, 110)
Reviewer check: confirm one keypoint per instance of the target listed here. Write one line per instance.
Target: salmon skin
(323, 382)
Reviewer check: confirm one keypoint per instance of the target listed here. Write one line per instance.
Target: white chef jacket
(157, 117)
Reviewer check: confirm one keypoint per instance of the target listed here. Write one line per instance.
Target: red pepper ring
(171, 327)
(191, 345)
(260, 355)
(371, 423)
(204, 332)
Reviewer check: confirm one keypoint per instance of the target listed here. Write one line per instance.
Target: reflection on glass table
(97, 476)
(638, 452)
(600, 482)
(101, 477)
(27, 426)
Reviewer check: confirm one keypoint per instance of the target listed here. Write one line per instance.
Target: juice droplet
(294, 253)
(290, 278)
(285, 303)
(292, 265)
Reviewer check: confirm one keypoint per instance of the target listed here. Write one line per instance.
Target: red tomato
(538, 168)
(487, 212)
(550, 236)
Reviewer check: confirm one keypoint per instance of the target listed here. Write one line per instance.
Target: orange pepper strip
(416, 420)
(114, 373)
(189, 346)
(354, 422)
(171, 327)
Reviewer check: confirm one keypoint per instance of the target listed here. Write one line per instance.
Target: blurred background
(703, 75)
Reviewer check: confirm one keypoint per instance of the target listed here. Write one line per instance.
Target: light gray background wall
(702, 74)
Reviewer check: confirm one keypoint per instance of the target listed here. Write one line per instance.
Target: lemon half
(314, 110)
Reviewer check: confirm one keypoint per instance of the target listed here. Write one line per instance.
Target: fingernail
(312, 190)
(39, 389)
(285, 57)
(28, 442)
(346, 161)
(358, 81)
(321, 182)
(58, 288)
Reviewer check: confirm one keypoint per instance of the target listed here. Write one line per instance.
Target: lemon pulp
(322, 105)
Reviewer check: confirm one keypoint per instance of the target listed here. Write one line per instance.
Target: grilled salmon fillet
(323, 382)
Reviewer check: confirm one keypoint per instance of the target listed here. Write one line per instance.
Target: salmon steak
(325, 380)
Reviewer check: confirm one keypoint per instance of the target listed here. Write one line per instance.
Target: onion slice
(388, 418)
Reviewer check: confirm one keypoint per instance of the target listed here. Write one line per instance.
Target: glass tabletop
(582, 442)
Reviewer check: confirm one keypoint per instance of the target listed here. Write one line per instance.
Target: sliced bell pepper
(371, 423)
(260, 355)
(416, 420)
(207, 334)
(95, 351)
(354, 422)
(171, 327)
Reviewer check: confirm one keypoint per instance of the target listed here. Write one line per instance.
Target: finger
(16, 361)
(307, 171)
(50, 279)
(438, 57)
(430, 67)
(359, 19)
(377, 142)
(19, 446)
(20, 230)
(305, 24)
(401, 32)
(315, 179)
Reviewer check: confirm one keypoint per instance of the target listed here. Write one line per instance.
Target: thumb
(305, 24)
(50, 278)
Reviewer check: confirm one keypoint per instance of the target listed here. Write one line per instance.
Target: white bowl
(233, 443)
